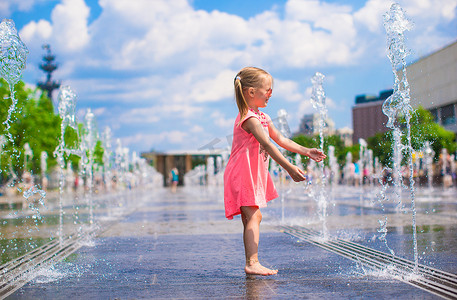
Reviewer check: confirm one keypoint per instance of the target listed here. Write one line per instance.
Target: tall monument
(48, 67)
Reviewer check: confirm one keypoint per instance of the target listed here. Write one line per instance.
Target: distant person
(351, 175)
(27, 180)
(174, 177)
(357, 176)
(247, 183)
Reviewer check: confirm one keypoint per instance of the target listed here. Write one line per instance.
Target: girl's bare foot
(255, 268)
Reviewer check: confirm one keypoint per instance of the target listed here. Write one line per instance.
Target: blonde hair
(246, 78)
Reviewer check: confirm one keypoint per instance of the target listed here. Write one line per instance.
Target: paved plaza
(180, 246)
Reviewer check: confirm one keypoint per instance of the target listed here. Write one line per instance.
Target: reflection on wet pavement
(181, 246)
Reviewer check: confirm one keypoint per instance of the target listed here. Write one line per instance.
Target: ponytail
(240, 100)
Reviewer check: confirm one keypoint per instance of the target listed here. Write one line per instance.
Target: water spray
(318, 101)
(398, 104)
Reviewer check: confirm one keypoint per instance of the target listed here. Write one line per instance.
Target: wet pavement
(180, 246)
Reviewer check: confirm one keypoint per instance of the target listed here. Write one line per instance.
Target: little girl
(247, 183)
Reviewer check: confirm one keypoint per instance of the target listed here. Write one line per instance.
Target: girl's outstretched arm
(290, 145)
(253, 125)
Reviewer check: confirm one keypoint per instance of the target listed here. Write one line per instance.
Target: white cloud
(428, 13)
(305, 108)
(67, 32)
(69, 20)
(214, 88)
(196, 129)
(427, 17)
(36, 32)
(114, 90)
(163, 61)
(140, 115)
(99, 111)
(154, 114)
(315, 10)
(315, 33)
(149, 34)
(287, 90)
(371, 15)
(431, 9)
(7, 6)
(330, 103)
(221, 121)
(154, 140)
(143, 12)
(176, 136)
(80, 114)
(172, 34)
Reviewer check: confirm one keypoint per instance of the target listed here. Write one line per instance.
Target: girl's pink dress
(247, 181)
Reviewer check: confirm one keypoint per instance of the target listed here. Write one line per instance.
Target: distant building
(433, 83)
(367, 116)
(183, 160)
(345, 134)
(309, 125)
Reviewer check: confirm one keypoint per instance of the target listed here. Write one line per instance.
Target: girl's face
(262, 94)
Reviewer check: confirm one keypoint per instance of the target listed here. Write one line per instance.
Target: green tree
(355, 151)
(306, 141)
(98, 153)
(337, 142)
(71, 138)
(34, 122)
(40, 127)
(381, 144)
(314, 142)
(423, 128)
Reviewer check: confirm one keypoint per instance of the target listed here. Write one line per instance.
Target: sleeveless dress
(247, 181)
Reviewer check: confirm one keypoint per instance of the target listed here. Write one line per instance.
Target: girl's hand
(316, 154)
(296, 173)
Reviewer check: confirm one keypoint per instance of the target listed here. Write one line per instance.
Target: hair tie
(237, 77)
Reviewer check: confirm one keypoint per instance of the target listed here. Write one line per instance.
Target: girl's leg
(251, 217)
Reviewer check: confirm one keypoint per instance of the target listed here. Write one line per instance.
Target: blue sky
(160, 73)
